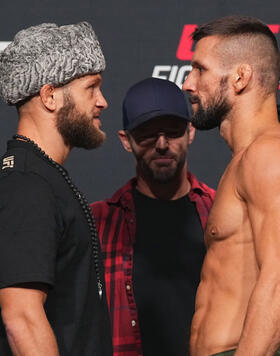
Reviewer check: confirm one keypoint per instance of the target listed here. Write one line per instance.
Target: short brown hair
(255, 41)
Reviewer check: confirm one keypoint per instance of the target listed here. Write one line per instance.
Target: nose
(101, 101)
(162, 143)
(189, 84)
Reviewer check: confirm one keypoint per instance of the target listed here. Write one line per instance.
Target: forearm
(261, 335)
(29, 338)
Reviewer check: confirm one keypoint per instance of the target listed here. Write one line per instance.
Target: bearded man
(151, 230)
(52, 293)
(233, 85)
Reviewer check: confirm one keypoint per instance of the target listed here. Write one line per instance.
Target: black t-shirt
(45, 238)
(168, 256)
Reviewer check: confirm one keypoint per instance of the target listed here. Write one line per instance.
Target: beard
(77, 129)
(211, 116)
(161, 172)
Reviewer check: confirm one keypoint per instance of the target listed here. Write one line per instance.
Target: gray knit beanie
(48, 54)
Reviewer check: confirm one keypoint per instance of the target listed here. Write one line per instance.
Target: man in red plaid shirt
(152, 267)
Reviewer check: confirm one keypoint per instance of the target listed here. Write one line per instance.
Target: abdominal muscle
(228, 278)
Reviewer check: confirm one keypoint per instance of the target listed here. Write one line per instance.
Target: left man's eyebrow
(92, 81)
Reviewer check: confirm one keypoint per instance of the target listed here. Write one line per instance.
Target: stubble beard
(211, 116)
(77, 129)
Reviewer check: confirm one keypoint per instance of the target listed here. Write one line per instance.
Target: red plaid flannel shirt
(116, 225)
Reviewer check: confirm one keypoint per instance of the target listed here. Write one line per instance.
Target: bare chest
(228, 215)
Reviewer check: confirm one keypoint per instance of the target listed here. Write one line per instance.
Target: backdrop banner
(140, 39)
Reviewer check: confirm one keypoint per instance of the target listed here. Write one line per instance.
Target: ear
(242, 78)
(191, 133)
(125, 140)
(48, 97)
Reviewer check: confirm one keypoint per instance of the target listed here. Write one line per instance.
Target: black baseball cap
(150, 98)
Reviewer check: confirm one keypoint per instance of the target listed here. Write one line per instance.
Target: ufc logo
(184, 51)
(8, 162)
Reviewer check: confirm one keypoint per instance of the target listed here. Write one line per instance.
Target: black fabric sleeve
(29, 230)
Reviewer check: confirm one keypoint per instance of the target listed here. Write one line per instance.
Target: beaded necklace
(84, 205)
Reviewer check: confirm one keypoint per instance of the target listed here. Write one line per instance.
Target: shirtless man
(233, 85)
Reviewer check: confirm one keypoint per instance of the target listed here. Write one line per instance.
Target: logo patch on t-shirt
(8, 162)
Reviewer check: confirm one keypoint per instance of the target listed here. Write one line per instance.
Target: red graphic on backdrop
(274, 28)
(184, 51)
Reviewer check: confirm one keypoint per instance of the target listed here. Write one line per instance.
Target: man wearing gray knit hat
(52, 294)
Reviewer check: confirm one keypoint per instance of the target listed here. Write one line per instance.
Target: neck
(47, 138)
(174, 189)
(246, 122)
